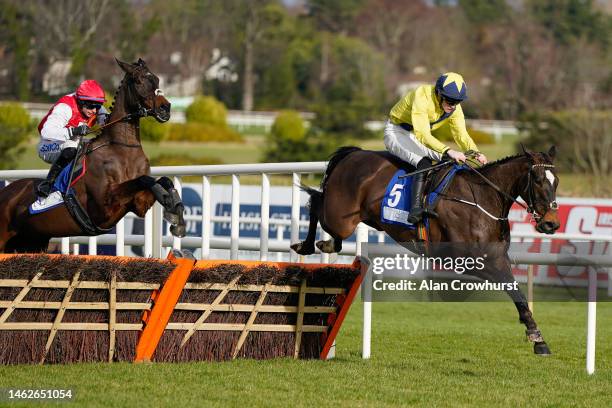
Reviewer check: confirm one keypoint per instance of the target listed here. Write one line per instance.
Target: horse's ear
(523, 149)
(125, 66)
(552, 152)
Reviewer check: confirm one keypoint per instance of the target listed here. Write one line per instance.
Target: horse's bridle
(530, 196)
(140, 112)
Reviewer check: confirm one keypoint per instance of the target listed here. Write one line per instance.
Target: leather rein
(141, 112)
(530, 208)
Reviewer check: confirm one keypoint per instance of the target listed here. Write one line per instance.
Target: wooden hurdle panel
(170, 338)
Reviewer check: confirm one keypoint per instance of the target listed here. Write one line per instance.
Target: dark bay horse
(117, 179)
(355, 182)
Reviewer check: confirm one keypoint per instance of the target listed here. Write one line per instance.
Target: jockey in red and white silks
(69, 119)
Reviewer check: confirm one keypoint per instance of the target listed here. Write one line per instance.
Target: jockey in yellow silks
(414, 122)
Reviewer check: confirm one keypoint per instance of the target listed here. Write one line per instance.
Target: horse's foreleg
(164, 192)
(499, 270)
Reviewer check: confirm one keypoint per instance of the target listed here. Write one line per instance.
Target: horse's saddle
(395, 206)
(62, 193)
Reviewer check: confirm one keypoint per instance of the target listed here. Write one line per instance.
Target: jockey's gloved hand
(78, 131)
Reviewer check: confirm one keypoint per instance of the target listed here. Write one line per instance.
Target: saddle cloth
(60, 186)
(395, 206)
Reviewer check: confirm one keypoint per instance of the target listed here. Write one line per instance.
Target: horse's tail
(334, 160)
(316, 198)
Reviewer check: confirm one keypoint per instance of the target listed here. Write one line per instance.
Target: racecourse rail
(154, 241)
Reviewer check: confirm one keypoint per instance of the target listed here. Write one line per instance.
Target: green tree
(354, 94)
(331, 17)
(570, 20)
(15, 128)
(16, 29)
(482, 12)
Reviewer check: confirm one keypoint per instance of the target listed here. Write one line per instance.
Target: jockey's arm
(460, 134)
(103, 115)
(55, 126)
(422, 131)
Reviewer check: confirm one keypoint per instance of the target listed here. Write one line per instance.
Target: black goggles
(91, 105)
(451, 102)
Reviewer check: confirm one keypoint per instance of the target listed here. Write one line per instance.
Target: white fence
(154, 240)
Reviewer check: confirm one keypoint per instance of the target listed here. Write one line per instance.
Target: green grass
(423, 354)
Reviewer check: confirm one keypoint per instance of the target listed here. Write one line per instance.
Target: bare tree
(70, 24)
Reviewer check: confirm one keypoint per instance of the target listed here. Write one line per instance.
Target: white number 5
(396, 194)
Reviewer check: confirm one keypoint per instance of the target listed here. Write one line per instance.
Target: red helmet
(90, 90)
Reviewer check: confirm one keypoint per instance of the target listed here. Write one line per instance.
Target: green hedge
(207, 110)
(183, 160)
(288, 125)
(200, 132)
(15, 129)
(152, 130)
(14, 116)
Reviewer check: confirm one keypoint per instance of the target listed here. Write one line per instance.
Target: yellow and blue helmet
(452, 86)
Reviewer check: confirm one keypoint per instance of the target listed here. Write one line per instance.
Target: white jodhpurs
(49, 150)
(404, 144)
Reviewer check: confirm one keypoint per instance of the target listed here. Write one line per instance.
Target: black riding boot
(44, 187)
(417, 211)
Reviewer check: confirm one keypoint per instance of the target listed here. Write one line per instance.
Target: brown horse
(355, 182)
(117, 179)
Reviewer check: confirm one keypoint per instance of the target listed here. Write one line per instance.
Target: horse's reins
(141, 112)
(528, 189)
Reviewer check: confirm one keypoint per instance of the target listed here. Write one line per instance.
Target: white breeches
(49, 150)
(404, 144)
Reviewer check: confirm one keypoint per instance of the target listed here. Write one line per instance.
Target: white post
(264, 226)
(206, 230)
(75, 249)
(530, 287)
(295, 213)
(235, 225)
(65, 246)
(280, 232)
(157, 231)
(92, 246)
(591, 321)
(367, 316)
(362, 236)
(120, 243)
(324, 256)
(176, 241)
(147, 250)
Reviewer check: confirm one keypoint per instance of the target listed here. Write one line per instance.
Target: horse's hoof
(326, 246)
(178, 230)
(302, 248)
(541, 349)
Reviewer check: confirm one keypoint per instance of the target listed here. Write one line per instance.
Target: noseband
(552, 204)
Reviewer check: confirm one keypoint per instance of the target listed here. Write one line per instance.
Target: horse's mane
(502, 161)
(112, 106)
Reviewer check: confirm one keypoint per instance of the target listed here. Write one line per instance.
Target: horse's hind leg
(306, 247)
(27, 244)
(330, 246)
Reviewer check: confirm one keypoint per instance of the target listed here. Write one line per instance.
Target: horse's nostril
(551, 225)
